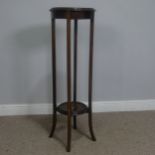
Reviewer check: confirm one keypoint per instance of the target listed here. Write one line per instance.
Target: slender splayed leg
(54, 78)
(90, 78)
(75, 71)
(69, 106)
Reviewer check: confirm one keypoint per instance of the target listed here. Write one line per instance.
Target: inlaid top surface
(72, 13)
(71, 9)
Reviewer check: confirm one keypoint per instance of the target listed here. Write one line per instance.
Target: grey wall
(124, 50)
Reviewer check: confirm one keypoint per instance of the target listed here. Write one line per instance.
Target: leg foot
(69, 133)
(74, 122)
(91, 127)
(53, 125)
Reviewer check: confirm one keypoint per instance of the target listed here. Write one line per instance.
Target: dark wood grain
(90, 77)
(80, 108)
(69, 105)
(75, 13)
(54, 81)
(75, 70)
(72, 107)
(71, 9)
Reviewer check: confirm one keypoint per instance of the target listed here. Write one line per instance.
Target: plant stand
(72, 107)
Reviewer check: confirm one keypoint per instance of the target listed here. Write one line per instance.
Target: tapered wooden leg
(75, 71)
(54, 78)
(69, 106)
(90, 78)
(54, 125)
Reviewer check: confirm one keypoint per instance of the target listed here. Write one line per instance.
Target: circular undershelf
(77, 108)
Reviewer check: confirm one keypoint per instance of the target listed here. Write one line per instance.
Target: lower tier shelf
(77, 108)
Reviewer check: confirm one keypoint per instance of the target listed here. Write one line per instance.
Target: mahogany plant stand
(72, 107)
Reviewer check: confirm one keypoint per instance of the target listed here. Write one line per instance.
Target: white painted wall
(124, 50)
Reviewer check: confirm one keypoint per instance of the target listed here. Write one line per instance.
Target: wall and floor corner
(123, 64)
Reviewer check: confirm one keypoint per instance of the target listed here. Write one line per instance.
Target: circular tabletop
(72, 12)
(71, 9)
